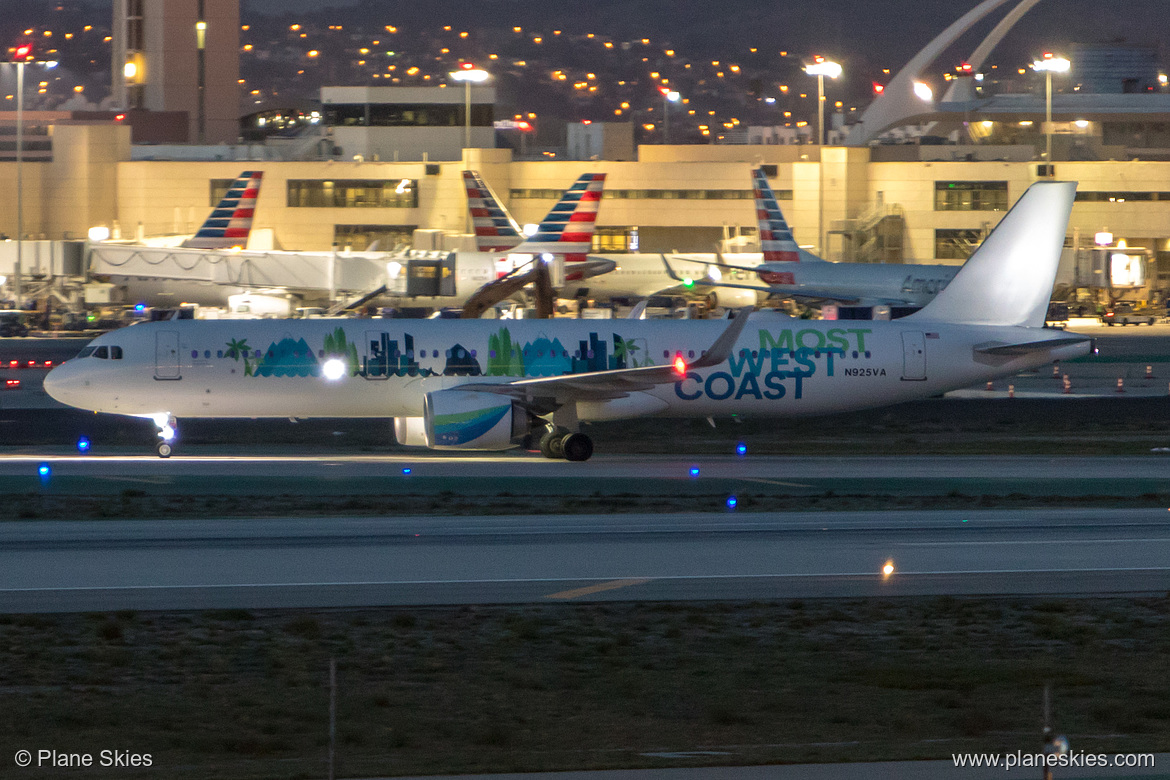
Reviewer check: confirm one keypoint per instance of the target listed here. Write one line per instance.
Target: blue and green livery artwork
(385, 357)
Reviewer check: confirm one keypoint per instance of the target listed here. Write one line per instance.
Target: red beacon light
(23, 52)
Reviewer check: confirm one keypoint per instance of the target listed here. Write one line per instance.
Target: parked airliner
(789, 271)
(491, 385)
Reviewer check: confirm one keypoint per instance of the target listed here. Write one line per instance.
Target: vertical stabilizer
(568, 228)
(1009, 278)
(495, 230)
(230, 221)
(776, 240)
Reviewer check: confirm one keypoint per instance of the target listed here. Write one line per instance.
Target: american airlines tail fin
(568, 228)
(495, 230)
(776, 240)
(1009, 278)
(230, 221)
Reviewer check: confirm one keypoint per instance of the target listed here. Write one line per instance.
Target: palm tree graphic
(236, 348)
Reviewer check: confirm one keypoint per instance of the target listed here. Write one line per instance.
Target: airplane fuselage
(779, 366)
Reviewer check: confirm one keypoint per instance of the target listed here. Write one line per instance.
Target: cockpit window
(102, 352)
(115, 353)
(86, 352)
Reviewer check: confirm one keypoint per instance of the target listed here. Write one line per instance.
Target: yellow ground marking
(598, 588)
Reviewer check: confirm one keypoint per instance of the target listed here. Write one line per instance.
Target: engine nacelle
(731, 298)
(470, 420)
(411, 431)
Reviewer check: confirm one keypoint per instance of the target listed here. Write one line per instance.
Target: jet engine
(470, 420)
(410, 431)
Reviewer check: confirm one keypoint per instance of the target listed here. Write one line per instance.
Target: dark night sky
(887, 30)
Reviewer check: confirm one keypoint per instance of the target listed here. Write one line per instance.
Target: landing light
(167, 432)
(333, 369)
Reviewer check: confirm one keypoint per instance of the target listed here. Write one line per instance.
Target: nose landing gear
(168, 431)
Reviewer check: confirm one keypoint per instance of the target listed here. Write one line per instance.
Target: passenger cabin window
(102, 352)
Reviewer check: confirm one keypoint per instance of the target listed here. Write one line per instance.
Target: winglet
(670, 271)
(723, 345)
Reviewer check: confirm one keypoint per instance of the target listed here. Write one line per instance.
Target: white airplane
(487, 385)
(789, 271)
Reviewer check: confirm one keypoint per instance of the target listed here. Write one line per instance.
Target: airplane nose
(59, 383)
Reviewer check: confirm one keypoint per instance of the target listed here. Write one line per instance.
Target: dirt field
(244, 694)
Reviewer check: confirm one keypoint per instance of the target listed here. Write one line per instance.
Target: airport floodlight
(472, 75)
(1052, 65)
(673, 96)
(923, 91)
(469, 74)
(824, 68)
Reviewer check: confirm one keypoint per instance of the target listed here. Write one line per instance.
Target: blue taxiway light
(741, 449)
(694, 471)
(83, 444)
(732, 502)
(44, 470)
(406, 472)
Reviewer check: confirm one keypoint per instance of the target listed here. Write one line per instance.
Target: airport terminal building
(893, 204)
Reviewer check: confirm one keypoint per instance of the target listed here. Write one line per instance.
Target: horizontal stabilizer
(1025, 347)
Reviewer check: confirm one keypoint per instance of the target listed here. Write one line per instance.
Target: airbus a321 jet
(492, 385)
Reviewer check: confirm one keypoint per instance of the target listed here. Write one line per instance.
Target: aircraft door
(913, 356)
(166, 355)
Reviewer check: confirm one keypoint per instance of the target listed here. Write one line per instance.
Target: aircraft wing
(615, 383)
(805, 293)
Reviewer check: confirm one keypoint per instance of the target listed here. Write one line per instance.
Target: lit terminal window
(353, 193)
(970, 196)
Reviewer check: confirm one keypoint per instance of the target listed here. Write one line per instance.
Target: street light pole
(466, 114)
(468, 74)
(668, 96)
(18, 270)
(821, 68)
(1049, 65)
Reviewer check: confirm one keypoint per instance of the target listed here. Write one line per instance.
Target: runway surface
(525, 474)
(890, 770)
(338, 562)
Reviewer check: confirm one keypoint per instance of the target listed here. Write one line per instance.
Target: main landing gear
(561, 443)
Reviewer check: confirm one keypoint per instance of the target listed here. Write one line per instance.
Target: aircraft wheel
(164, 449)
(546, 443)
(577, 447)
